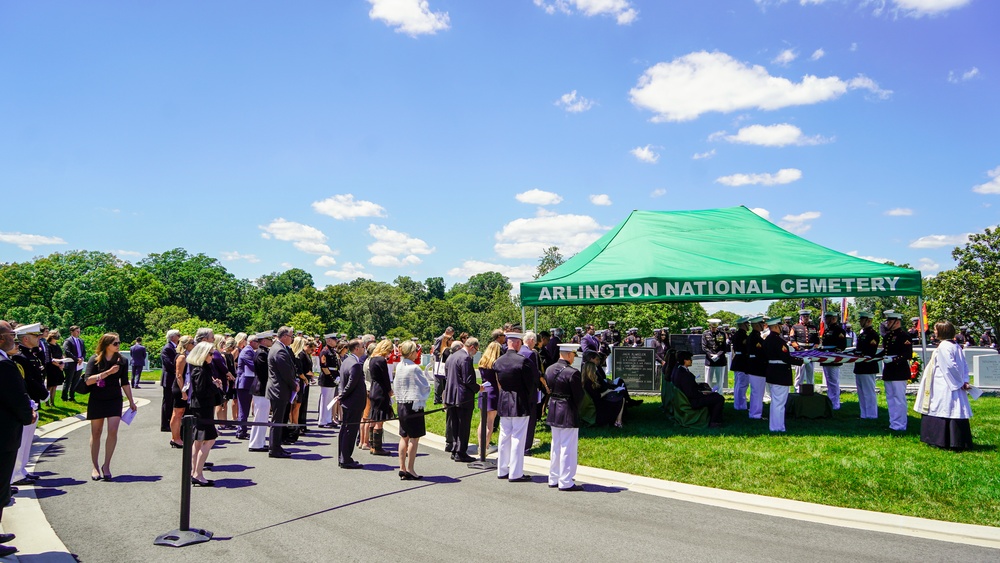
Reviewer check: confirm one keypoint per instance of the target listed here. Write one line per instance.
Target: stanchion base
(487, 464)
(178, 538)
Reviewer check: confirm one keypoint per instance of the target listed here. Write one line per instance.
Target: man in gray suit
(351, 391)
(460, 390)
(281, 383)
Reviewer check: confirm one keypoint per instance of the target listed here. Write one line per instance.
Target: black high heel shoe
(402, 475)
(413, 476)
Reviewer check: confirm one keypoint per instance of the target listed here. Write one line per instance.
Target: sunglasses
(116, 343)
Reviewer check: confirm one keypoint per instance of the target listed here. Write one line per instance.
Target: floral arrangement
(916, 368)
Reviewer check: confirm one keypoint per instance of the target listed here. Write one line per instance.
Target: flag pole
(923, 331)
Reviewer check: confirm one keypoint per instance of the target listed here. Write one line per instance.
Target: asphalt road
(307, 509)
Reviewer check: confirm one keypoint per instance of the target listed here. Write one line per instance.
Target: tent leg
(535, 327)
(923, 331)
(523, 322)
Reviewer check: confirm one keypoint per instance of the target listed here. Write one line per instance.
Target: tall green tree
(551, 259)
(969, 293)
(199, 283)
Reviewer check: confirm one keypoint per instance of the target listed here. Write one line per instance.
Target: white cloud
(412, 17)
(29, 242)
(800, 223)
(928, 265)
(621, 10)
(600, 199)
(870, 258)
(287, 265)
(854, 47)
(349, 271)
(783, 176)
(538, 197)
(862, 82)
(542, 212)
(304, 237)
(236, 255)
(817, 55)
(785, 57)
(470, 268)
(899, 212)
(762, 212)
(702, 82)
(326, 261)
(529, 237)
(573, 103)
(121, 253)
(991, 187)
(645, 154)
(956, 77)
(778, 135)
(343, 206)
(658, 192)
(920, 8)
(937, 241)
(703, 155)
(394, 249)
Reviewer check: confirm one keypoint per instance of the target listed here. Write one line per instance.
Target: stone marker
(986, 370)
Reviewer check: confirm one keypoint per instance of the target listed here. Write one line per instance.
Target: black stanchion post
(184, 535)
(482, 462)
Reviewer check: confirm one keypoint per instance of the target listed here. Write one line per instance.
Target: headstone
(986, 370)
(637, 367)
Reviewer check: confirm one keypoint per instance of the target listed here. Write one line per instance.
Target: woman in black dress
(380, 394)
(610, 404)
(54, 376)
(204, 396)
(490, 395)
(179, 391)
(304, 370)
(107, 377)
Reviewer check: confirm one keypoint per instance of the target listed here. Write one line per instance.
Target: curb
(37, 540)
(939, 530)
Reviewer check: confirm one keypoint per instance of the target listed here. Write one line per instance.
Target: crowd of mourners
(522, 378)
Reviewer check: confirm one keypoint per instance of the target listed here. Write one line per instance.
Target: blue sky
(447, 137)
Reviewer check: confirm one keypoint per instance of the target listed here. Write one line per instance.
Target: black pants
(529, 436)
(7, 461)
(166, 408)
(439, 381)
(714, 403)
(69, 386)
(458, 423)
(136, 375)
(279, 414)
(349, 432)
(304, 408)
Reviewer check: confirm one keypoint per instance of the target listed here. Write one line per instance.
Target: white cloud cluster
(304, 237)
(394, 249)
(515, 274)
(343, 206)
(621, 10)
(702, 82)
(937, 241)
(956, 77)
(817, 55)
(349, 271)
(899, 212)
(646, 154)
(600, 199)
(658, 192)
(991, 187)
(574, 103)
(412, 17)
(928, 265)
(237, 255)
(703, 155)
(29, 242)
(326, 261)
(529, 237)
(536, 196)
(920, 8)
(762, 212)
(783, 176)
(785, 57)
(778, 135)
(800, 223)
(870, 258)
(129, 253)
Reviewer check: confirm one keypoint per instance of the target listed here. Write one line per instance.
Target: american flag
(830, 357)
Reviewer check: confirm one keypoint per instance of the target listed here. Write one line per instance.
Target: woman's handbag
(81, 385)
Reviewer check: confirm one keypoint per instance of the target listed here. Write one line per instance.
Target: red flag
(843, 310)
(923, 315)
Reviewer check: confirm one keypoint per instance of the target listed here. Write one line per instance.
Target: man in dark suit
(15, 414)
(74, 349)
(517, 380)
(351, 391)
(281, 383)
(168, 373)
(459, 393)
(138, 354)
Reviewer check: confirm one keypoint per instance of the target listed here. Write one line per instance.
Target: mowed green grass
(842, 461)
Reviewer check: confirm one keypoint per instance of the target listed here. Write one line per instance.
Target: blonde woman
(107, 377)
(412, 390)
(224, 363)
(206, 394)
(380, 394)
(490, 396)
(179, 391)
(301, 350)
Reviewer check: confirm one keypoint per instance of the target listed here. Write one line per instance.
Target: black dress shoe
(504, 477)
(464, 458)
(259, 450)
(351, 465)
(205, 483)
(175, 445)
(280, 455)
(13, 491)
(521, 479)
(4, 538)
(553, 486)
(24, 481)
(574, 488)
(6, 550)
(209, 464)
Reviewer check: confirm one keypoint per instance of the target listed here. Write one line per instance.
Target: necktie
(79, 347)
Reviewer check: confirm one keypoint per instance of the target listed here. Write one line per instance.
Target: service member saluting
(804, 336)
(779, 374)
(515, 377)
(566, 394)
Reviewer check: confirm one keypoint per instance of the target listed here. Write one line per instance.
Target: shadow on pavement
(234, 483)
(233, 468)
(588, 488)
(48, 493)
(137, 478)
(311, 457)
(60, 482)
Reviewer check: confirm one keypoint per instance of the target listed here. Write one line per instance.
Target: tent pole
(536, 321)
(522, 318)
(923, 331)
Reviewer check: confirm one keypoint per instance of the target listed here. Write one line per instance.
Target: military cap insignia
(873, 343)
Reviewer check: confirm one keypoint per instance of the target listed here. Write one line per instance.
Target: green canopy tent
(729, 254)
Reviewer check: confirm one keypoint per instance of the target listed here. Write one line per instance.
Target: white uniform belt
(737, 353)
(775, 362)
(752, 356)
